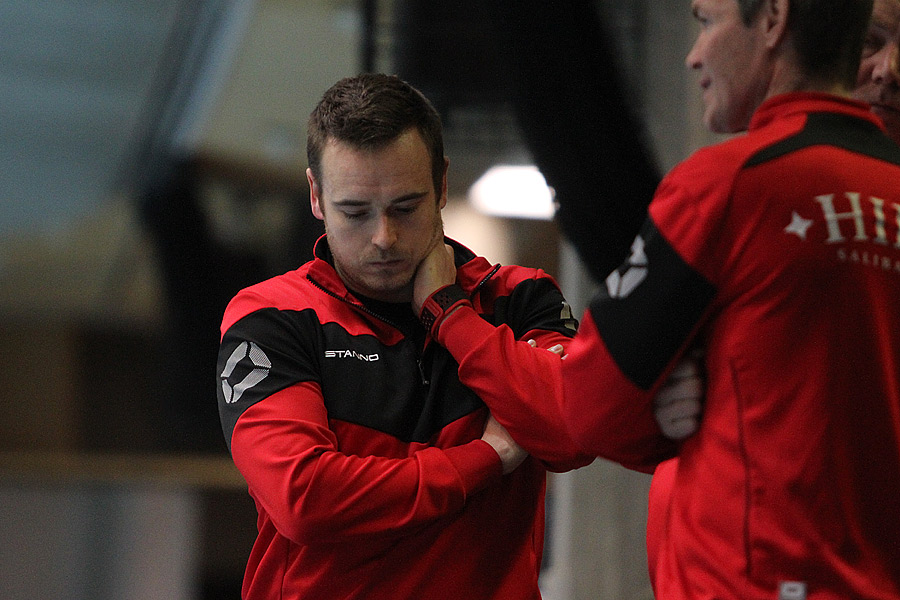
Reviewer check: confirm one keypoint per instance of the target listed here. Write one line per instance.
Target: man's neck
(787, 76)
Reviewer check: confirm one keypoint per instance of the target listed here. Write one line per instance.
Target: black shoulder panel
(363, 381)
(838, 130)
(647, 308)
(534, 304)
(263, 353)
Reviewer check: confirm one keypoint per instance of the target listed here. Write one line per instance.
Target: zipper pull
(422, 371)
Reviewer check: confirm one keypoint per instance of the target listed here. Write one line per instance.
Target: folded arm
(314, 492)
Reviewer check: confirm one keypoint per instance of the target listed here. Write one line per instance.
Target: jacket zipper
(366, 310)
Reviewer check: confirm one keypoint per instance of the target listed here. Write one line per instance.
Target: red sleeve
(521, 385)
(643, 318)
(283, 447)
(606, 413)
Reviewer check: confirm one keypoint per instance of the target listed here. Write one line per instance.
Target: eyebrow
(352, 202)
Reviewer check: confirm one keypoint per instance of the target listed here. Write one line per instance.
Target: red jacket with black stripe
(361, 448)
(779, 252)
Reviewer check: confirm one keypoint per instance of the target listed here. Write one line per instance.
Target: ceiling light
(516, 191)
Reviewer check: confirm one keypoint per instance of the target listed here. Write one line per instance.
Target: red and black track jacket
(779, 251)
(362, 449)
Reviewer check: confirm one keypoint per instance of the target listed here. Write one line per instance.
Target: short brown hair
(828, 35)
(369, 111)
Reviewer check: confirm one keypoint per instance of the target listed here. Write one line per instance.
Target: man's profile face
(878, 82)
(382, 214)
(729, 58)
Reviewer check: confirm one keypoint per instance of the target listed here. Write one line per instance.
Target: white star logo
(798, 226)
(626, 278)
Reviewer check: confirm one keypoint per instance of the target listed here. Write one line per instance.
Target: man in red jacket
(878, 84)
(779, 251)
(376, 472)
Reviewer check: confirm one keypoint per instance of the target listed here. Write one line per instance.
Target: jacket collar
(791, 103)
(471, 270)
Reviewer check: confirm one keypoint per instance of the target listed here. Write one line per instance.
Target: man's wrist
(440, 304)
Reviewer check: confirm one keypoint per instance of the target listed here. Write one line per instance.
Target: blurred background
(153, 157)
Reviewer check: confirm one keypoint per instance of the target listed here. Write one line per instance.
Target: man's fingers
(678, 403)
(556, 349)
(687, 408)
(680, 418)
(675, 390)
(680, 429)
(685, 368)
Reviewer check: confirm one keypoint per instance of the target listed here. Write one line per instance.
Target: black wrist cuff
(439, 304)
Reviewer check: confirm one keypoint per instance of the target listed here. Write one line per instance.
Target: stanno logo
(351, 354)
(621, 282)
(257, 363)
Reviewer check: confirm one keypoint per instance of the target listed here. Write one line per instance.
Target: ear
(774, 19)
(315, 202)
(443, 201)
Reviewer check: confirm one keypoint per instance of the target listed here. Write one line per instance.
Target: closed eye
(407, 206)
(699, 18)
(353, 212)
(872, 44)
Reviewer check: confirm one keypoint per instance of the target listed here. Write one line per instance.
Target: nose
(692, 60)
(385, 234)
(886, 67)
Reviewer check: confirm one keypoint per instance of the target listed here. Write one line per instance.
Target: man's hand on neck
(435, 271)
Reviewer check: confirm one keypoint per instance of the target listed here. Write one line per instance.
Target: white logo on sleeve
(566, 316)
(260, 363)
(621, 282)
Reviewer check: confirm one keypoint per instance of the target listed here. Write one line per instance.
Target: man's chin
(397, 289)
